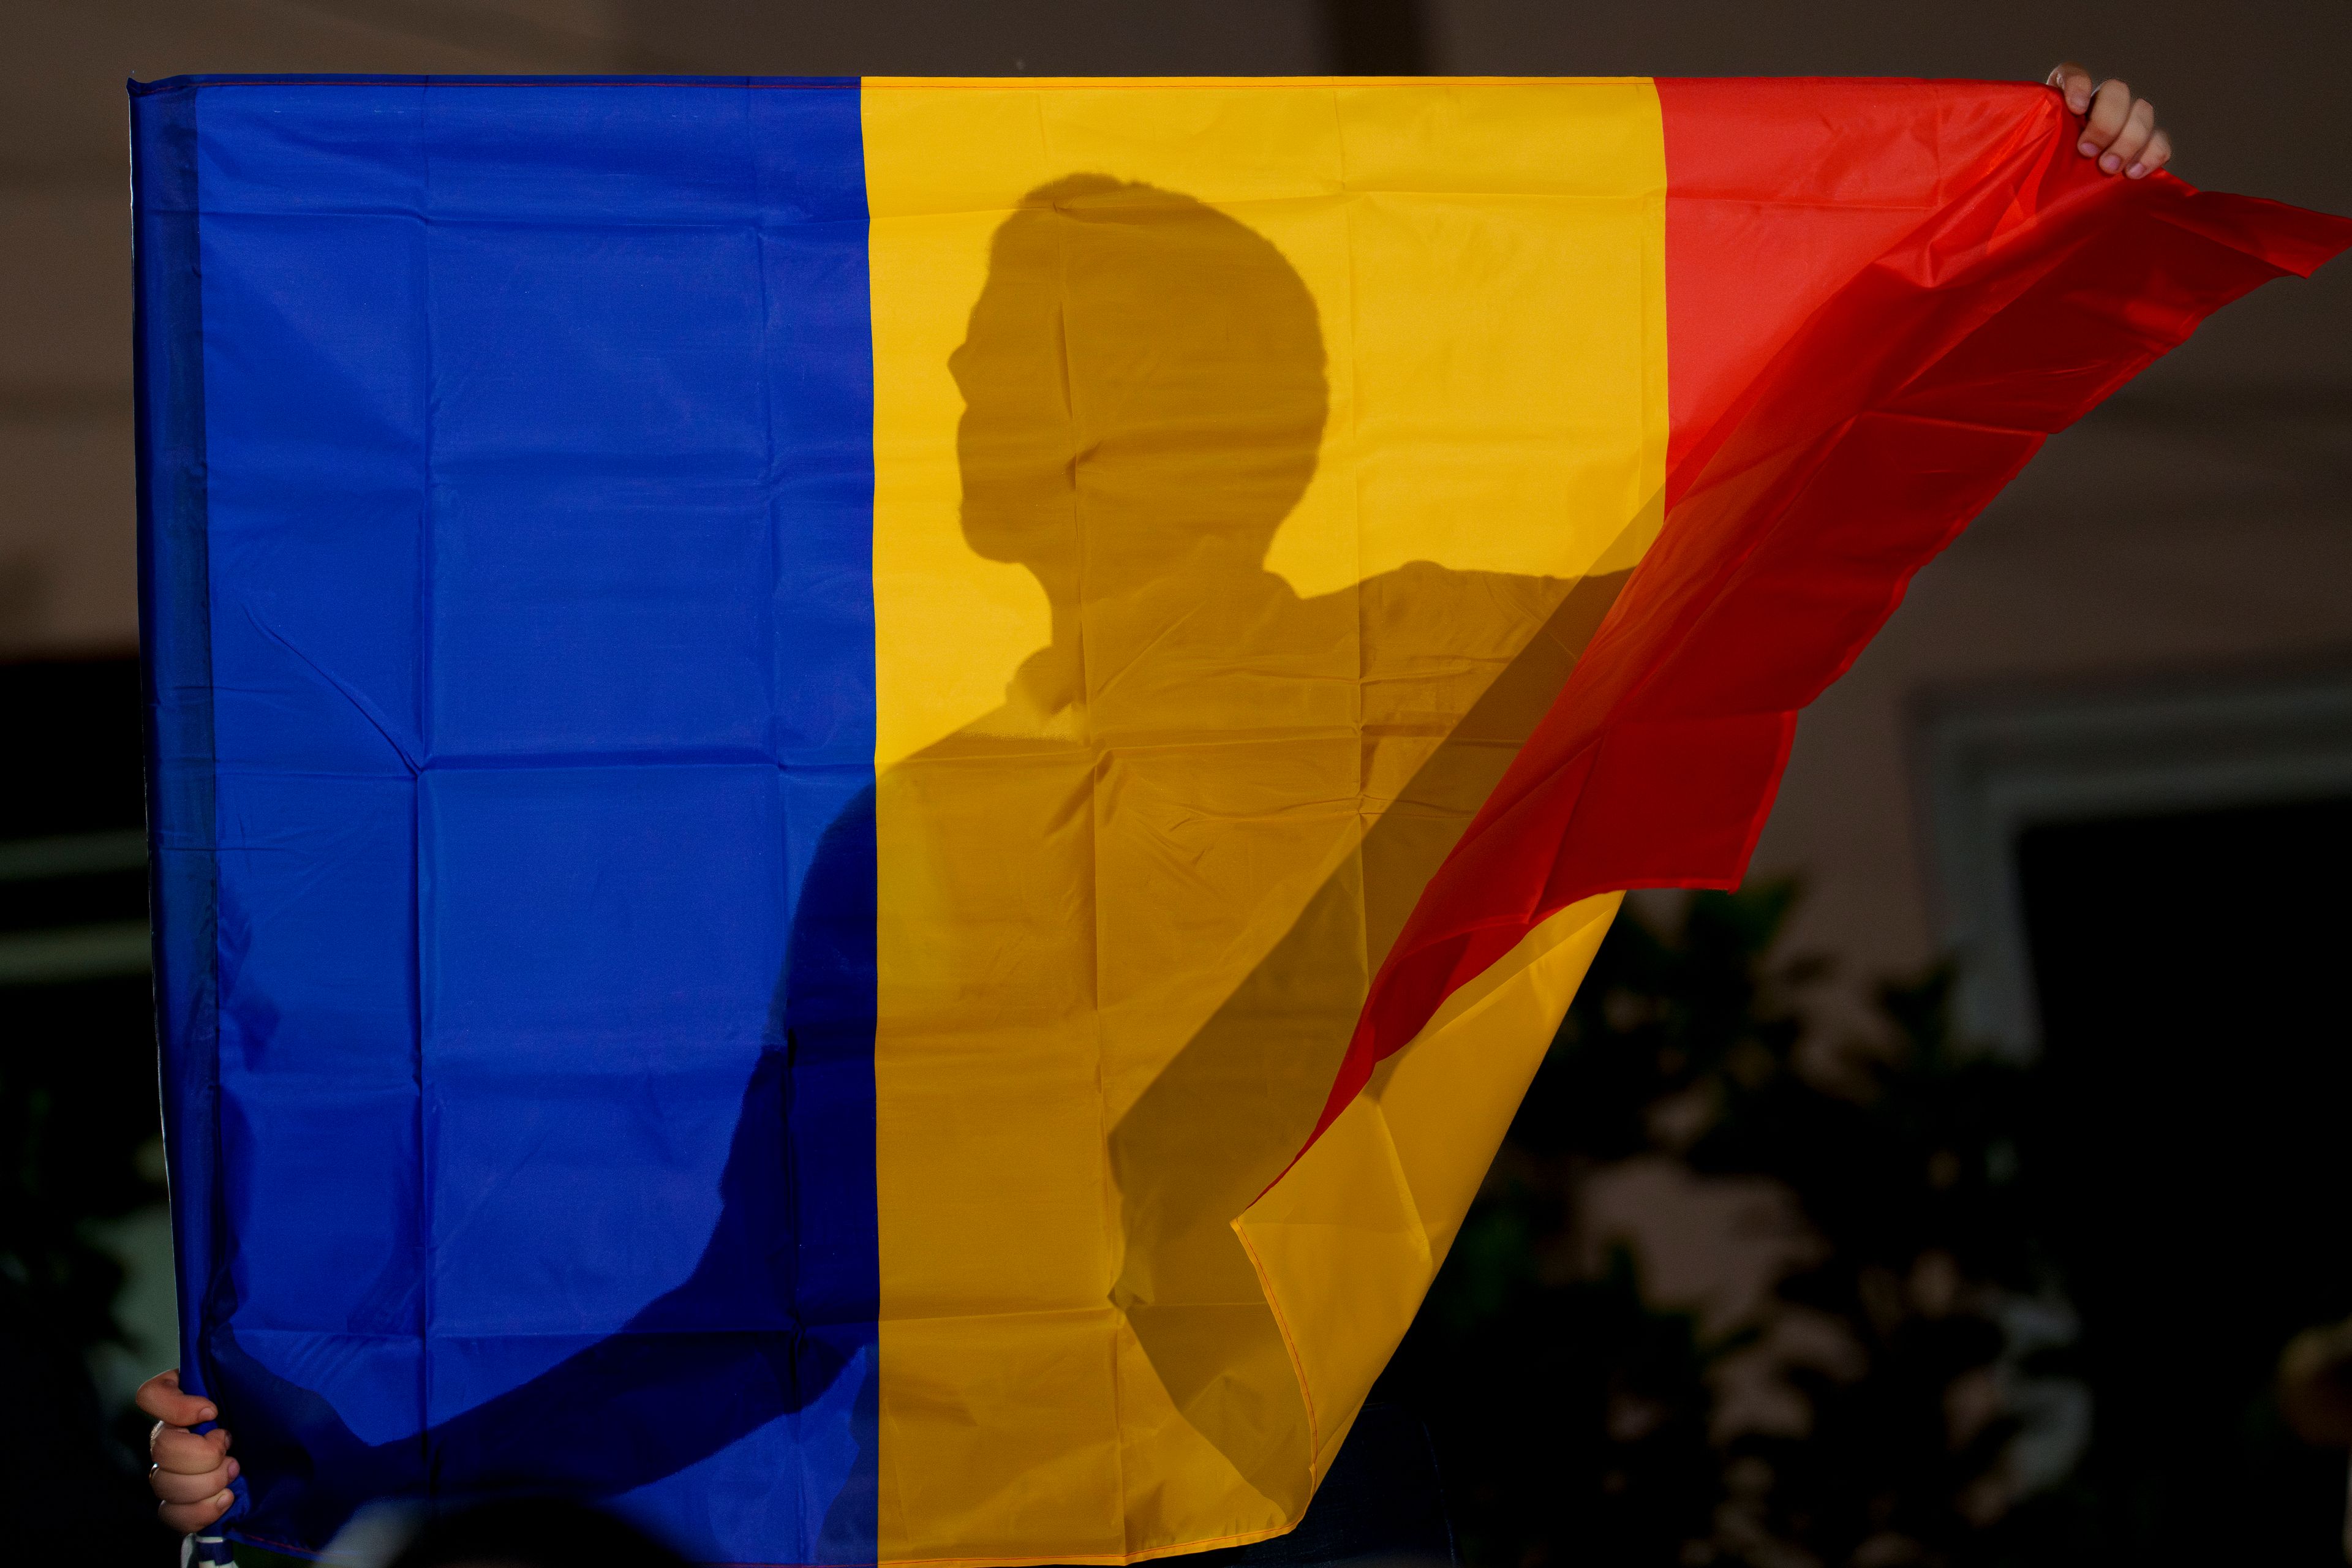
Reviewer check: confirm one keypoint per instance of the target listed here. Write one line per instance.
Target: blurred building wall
(2200, 523)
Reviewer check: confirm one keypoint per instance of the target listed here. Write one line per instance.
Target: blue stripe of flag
(535, 505)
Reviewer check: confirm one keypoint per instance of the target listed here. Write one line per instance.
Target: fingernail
(2085, 148)
(206, 1414)
(234, 1469)
(225, 1497)
(2111, 163)
(2135, 170)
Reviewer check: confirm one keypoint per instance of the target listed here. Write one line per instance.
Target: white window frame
(1995, 762)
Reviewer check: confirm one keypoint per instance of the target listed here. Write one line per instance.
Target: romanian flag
(869, 796)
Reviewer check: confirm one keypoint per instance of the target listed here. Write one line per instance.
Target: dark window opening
(2195, 1154)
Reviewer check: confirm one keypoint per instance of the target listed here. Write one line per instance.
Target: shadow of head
(1143, 386)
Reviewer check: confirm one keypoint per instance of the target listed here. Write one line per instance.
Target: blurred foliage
(77, 1119)
(79, 1147)
(1579, 1420)
(76, 1149)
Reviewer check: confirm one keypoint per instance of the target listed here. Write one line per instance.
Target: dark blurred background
(1946, 1196)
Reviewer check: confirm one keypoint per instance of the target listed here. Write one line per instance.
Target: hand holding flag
(2118, 129)
(191, 1470)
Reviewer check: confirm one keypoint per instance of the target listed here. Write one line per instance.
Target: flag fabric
(869, 797)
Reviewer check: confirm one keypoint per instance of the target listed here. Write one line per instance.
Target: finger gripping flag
(869, 796)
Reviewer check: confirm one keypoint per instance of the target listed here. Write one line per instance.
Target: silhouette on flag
(869, 796)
